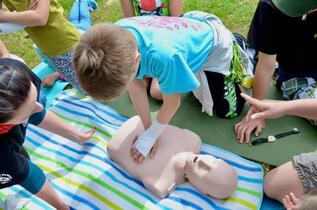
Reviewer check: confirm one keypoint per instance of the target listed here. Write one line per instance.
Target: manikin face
(210, 175)
(29, 107)
(201, 170)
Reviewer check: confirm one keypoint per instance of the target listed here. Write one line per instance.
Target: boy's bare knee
(156, 94)
(269, 187)
(272, 188)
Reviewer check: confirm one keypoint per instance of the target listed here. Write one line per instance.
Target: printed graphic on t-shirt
(5, 178)
(170, 23)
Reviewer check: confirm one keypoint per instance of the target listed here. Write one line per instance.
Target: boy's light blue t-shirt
(172, 49)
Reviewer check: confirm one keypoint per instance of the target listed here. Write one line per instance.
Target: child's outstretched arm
(275, 108)
(36, 15)
(54, 124)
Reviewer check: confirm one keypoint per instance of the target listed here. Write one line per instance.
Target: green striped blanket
(85, 177)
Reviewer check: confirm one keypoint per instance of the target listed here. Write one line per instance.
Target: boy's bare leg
(146, 82)
(155, 90)
(283, 180)
(48, 194)
(176, 7)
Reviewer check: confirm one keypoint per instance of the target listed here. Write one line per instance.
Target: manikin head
(211, 176)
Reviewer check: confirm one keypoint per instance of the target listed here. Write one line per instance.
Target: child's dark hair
(15, 84)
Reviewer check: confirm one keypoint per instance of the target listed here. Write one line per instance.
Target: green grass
(235, 14)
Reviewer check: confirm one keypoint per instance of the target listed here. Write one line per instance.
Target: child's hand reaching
(84, 136)
(146, 141)
(291, 202)
(266, 108)
(49, 80)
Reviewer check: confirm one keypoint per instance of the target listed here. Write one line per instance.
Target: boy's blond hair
(103, 60)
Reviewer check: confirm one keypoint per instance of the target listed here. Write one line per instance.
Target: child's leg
(48, 194)
(225, 94)
(85, 21)
(176, 7)
(155, 90)
(281, 181)
(36, 183)
(74, 13)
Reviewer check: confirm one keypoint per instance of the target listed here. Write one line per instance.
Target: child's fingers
(153, 151)
(293, 198)
(252, 101)
(286, 204)
(90, 133)
(44, 84)
(133, 151)
(288, 200)
(140, 158)
(259, 115)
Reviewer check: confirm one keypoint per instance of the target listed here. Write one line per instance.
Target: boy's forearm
(53, 123)
(139, 98)
(263, 75)
(170, 106)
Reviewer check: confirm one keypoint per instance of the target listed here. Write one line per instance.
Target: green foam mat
(220, 132)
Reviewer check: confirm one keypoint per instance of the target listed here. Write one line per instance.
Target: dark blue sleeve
(35, 179)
